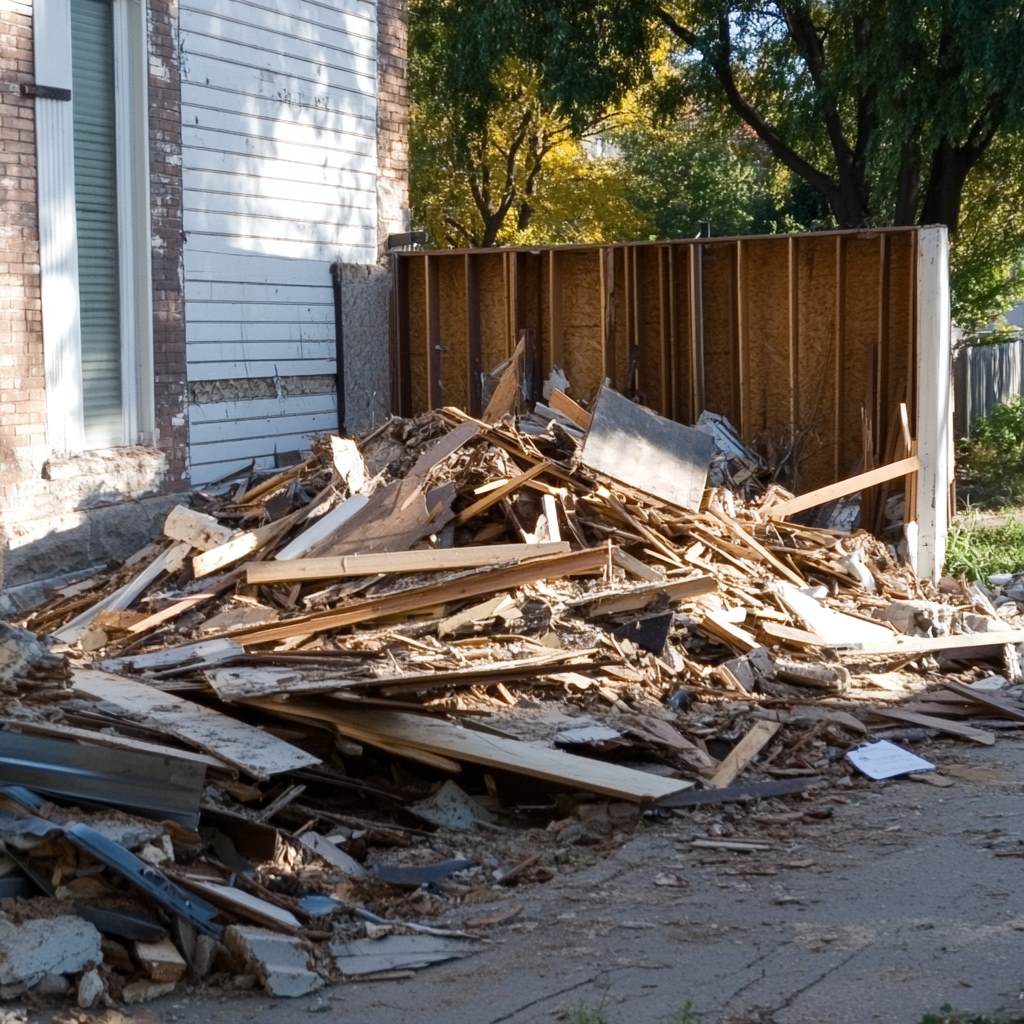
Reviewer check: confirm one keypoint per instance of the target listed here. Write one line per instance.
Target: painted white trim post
(131, 75)
(58, 244)
(934, 400)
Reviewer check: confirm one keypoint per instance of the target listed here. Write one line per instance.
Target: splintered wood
(451, 625)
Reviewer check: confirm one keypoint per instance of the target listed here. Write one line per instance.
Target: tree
(477, 162)
(883, 110)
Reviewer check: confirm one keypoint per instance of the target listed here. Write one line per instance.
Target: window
(94, 222)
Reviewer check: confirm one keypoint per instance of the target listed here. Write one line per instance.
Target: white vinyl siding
(279, 175)
(96, 218)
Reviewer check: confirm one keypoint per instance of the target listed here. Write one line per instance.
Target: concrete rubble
(337, 703)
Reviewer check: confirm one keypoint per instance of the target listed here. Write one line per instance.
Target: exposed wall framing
(812, 336)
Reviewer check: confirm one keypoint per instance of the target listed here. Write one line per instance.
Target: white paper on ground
(884, 760)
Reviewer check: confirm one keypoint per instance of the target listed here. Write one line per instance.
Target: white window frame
(58, 249)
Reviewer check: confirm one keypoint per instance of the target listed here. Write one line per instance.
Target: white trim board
(934, 402)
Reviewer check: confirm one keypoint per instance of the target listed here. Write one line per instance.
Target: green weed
(976, 551)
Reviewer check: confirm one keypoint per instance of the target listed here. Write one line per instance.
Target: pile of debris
(420, 667)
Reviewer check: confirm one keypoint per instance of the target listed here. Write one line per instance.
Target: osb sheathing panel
(720, 325)
(417, 368)
(861, 263)
(451, 288)
(816, 284)
(493, 324)
(581, 322)
(654, 377)
(764, 320)
(827, 312)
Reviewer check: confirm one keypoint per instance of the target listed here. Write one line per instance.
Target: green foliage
(977, 551)
(947, 1015)
(990, 463)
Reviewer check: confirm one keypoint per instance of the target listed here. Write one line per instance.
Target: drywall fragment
(279, 961)
(396, 952)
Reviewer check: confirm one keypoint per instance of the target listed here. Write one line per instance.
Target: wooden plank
(801, 638)
(1003, 708)
(493, 497)
(243, 544)
(640, 597)
(851, 485)
(967, 732)
(481, 612)
(323, 528)
(635, 567)
(556, 338)
(202, 652)
(911, 646)
(498, 752)
(836, 628)
(169, 561)
(489, 581)
(199, 530)
(717, 626)
(160, 960)
(504, 399)
(734, 527)
(570, 409)
(665, 459)
(743, 753)
(243, 904)
(213, 589)
(427, 560)
(247, 747)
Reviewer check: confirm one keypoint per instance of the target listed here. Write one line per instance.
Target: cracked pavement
(901, 901)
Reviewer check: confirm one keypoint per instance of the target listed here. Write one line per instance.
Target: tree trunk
(949, 170)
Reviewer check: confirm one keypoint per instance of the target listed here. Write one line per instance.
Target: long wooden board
(743, 753)
(243, 746)
(124, 596)
(842, 488)
(913, 645)
(430, 560)
(967, 732)
(436, 736)
(489, 581)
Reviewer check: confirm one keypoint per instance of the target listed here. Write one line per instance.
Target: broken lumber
(200, 531)
(169, 561)
(959, 729)
(436, 736)
(428, 560)
(475, 585)
(743, 753)
(851, 485)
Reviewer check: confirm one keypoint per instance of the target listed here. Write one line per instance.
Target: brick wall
(392, 119)
(165, 199)
(61, 513)
(22, 376)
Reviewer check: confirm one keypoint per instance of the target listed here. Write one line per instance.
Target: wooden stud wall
(810, 334)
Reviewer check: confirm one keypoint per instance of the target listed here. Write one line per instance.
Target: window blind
(92, 91)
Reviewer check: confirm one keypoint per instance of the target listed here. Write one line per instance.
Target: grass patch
(947, 1015)
(976, 550)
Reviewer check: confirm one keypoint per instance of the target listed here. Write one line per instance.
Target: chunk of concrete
(280, 961)
(918, 618)
(31, 950)
(90, 988)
